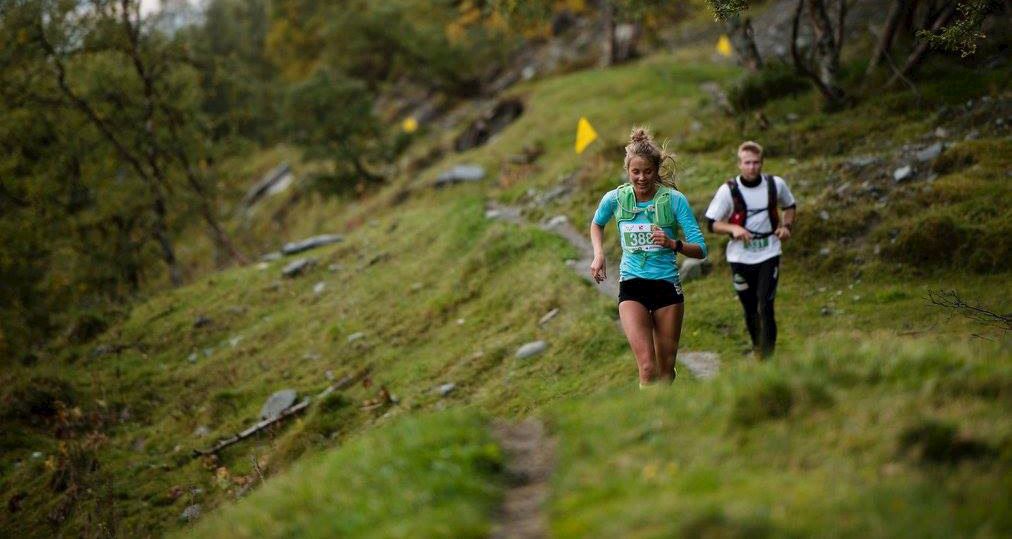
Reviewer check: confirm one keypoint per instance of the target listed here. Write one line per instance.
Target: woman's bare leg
(638, 326)
(667, 332)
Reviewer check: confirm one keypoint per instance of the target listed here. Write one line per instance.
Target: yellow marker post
(585, 134)
(724, 46)
(409, 125)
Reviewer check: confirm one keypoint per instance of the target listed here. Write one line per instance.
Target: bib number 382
(637, 237)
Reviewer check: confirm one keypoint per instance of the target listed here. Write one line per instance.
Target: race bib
(757, 245)
(636, 237)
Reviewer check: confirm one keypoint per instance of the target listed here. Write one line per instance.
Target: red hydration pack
(740, 211)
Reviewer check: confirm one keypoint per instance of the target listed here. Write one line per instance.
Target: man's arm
(737, 232)
(786, 223)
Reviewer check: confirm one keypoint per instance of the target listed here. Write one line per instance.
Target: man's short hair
(752, 147)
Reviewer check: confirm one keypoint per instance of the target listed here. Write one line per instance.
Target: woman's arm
(597, 266)
(694, 245)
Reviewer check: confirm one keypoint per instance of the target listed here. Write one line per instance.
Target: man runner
(746, 209)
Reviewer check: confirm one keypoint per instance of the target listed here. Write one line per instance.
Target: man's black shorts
(651, 293)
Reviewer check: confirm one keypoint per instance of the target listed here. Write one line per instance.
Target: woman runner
(647, 211)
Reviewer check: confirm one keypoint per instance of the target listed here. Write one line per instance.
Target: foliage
(963, 35)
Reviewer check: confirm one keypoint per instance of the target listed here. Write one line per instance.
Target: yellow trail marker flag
(724, 46)
(409, 125)
(585, 134)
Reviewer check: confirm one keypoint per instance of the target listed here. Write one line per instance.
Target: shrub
(771, 398)
(773, 82)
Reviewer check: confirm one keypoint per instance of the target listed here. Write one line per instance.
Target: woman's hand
(658, 237)
(597, 270)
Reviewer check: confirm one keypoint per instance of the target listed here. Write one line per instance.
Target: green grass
(829, 439)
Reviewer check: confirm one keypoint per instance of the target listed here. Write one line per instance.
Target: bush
(771, 398)
(937, 442)
(37, 398)
(773, 82)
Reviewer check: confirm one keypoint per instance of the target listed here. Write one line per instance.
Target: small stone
(878, 249)
(696, 126)
(311, 356)
(193, 358)
(528, 72)
(310, 243)
(201, 321)
(557, 221)
(191, 513)
(459, 174)
(208, 352)
(856, 297)
(824, 215)
(271, 257)
(415, 287)
(531, 349)
(356, 336)
(974, 134)
(446, 389)
(329, 375)
(201, 431)
(941, 132)
(36, 455)
(460, 321)
(930, 153)
(319, 288)
(903, 173)
(297, 267)
(278, 403)
(334, 268)
(234, 341)
(792, 117)
(999, 122)
(571, 262)
(694, 268)
(492, 214)
(826, 311)
(548, 316)
(263, 265)
(824, 251)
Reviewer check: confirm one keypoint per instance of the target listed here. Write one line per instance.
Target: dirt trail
(530, 455)
(703, 365)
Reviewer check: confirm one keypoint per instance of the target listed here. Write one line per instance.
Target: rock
(292, 248)
(694, 268)
(460, 174)
(702, 365)
(275, 181)
(415, 287)
(201, 321)
(491, 122)
(862, 161)
(696, 126)
(201, 431)
(356, 336)
(903, 173)
(234, 341)
(460, 321)
(824, 251)
(277, 403)
(271, 257)
(193, 358)
(334, 268)
(329, 375)
(36, 455)
(297, 267)
(191, 513)
(446, 389)
(826, 311)
(626, 36)
(941, 132)
(824, 215)
(548, 316)
(531, 349)
(492, 214)
(556, 221)
(974, 134)
(319, 287)
(930, 153)
(792, 117)
(528, 72)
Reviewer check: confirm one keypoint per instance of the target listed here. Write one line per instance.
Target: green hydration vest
(659, 212)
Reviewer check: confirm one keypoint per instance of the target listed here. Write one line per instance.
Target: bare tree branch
(950, 299)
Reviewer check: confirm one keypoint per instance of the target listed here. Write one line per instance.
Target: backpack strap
(771, 205)
(739, 210)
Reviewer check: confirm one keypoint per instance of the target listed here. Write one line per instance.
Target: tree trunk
(826, 56)
(917, 56)
(743, 40)
(608, 24)
(885, 41)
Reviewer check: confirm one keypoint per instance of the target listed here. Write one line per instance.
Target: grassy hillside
(880, 415)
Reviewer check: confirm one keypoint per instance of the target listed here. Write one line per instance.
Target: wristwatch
(678, 246)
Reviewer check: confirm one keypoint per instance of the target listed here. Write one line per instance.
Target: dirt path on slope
(530, 457)
(703, 365)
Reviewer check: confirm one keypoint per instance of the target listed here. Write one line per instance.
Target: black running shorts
(651, 293)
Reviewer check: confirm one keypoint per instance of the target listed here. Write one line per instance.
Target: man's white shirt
(756, 221)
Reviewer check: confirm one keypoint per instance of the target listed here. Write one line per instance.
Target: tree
(821, 62)
(330, 115)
